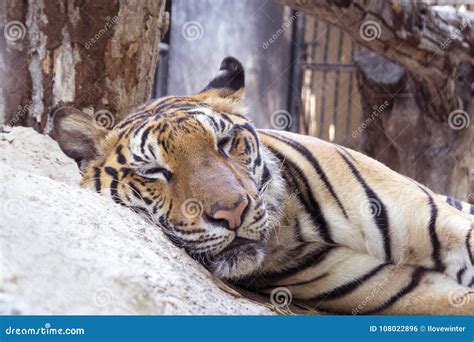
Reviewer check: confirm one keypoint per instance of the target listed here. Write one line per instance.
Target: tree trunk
(417, 111)
(98, 56)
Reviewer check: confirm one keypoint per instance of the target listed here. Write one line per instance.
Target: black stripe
(381, 218)
(203, 240)
(415, 280)
(297, 231)
(132, 118)
(292, 174)
(460, 274)
(135, 191)
(137, 158)
(248, 127)
(120, 157)
(170, 102)
(435, 243)
(144, 138)
(153, 170)
(164, 223)
(304, 282)
(152, 151)
(248, 149)
(449, 200)
(472, 209)
(222, 124)
(183, 108)
(113, 185)
(347, 288)
(97, 179)
(340, 148)
(214, 123)
(125, 171)
(458, 204)
(315, 165)
(265, 176)
(310, 260)
(468, 246)
(191, 231)
(229, 120)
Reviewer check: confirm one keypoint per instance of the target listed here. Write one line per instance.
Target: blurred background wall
(310, 69)
(202, 33)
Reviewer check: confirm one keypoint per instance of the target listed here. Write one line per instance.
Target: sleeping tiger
(269, 210)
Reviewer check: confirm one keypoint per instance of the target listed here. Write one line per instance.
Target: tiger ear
(78, 134)
(229, 82)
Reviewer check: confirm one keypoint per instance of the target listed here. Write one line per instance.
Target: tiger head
(193, 164)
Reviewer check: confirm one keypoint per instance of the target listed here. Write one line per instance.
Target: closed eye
(155, 173)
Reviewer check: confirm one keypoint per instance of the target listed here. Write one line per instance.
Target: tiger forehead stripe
(173, 102)
(120, 156)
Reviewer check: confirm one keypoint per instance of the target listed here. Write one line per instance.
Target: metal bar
(298, 57)
(349, 102)
(336, 90)
(323, 97)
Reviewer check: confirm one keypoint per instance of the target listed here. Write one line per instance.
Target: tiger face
(193, 164)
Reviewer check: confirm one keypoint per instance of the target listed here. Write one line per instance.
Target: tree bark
(98, 56)
(417, 97)
(396, 132)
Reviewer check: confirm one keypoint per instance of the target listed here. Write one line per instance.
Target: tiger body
(344, 211)
(338, 230)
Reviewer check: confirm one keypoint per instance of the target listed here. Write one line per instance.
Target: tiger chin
(268, 209)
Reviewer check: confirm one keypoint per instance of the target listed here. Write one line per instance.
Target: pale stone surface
(66, 250)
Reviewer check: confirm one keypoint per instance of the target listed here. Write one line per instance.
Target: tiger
(277, 213)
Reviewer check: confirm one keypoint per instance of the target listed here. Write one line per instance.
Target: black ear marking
(231, 76)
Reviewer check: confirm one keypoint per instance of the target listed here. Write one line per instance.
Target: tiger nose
(232, 216)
